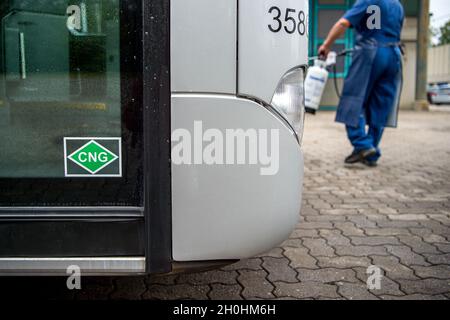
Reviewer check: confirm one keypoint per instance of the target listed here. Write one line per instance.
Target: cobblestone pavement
(395, 216)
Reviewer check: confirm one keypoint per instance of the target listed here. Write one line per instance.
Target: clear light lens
(289, 100)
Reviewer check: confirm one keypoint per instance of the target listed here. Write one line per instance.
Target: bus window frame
(150, 44)
(157, 136)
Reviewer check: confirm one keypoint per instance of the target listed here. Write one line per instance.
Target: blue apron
(357, 88)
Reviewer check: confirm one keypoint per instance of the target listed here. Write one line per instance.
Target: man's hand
(324, 51)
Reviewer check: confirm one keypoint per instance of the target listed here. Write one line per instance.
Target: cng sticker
(93, 157)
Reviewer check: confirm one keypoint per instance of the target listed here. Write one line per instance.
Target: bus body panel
(231, 211)
(203, 46)
(267, 48)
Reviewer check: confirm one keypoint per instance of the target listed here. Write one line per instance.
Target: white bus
(148, 136)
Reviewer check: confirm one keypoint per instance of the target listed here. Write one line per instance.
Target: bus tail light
(289, 100)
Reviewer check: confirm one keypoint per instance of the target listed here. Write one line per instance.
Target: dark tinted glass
(60, 77)
(70, 103)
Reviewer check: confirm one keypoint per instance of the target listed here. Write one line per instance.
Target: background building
(439, 64)
(324, 13)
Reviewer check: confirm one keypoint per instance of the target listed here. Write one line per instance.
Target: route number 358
(293, 21)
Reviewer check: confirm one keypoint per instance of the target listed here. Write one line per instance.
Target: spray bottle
(316, 80)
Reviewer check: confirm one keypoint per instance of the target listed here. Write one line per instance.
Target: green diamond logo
(93, 157)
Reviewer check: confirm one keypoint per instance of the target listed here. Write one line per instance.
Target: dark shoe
(360, 156)
(371, 164)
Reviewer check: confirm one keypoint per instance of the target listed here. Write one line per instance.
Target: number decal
(277, 19)
(289, 18)
(301, 25)
(291, 25)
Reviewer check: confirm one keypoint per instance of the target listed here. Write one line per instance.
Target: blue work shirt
(391, 14)
(373, 84)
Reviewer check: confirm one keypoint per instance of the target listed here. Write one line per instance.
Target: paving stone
(325, 218)
(387, 285)
(162, 279)
(442, 218)
(176, 292)
(393, 268)
(204, 278)
(279, 270)
(414, 297)
(386, 210)
(250, 264)
(333, 201)
(355, 291)
(429, 234)
(426, 286)
(316, 225)
(360, 251)
(274, 253)
(339, 212)
(318, 247)
(288, 299)
(361, 200)
(292, 243)
(437, 271)
(225, 292)
(375, 217)
(374, 240)
(305, 233)
(385, 232)
(434, 238)
(362, 222)
(412, 210)
(407, 256)
(255, 284)
(300, 258)
(442, 247)
(308, 211)
(438, 258)
(305, 290)
(397, 224)
(334, 237)
(437, 228)
(326, 275)
(417, 245)
(343, 262)
(319, 204)
(354, 206)
(349, 229)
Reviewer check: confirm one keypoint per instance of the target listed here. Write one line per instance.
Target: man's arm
(335, 33)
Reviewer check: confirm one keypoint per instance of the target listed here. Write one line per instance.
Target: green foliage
(445, 34)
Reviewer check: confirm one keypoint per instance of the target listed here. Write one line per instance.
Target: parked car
(439, 94)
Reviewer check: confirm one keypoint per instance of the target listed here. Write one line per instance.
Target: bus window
(63, 111)
(61, 78)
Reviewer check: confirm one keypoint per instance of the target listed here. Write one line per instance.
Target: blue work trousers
(364, 139)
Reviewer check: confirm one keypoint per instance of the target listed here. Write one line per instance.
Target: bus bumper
(232, 211)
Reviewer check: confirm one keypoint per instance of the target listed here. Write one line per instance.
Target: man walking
(372, 88)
